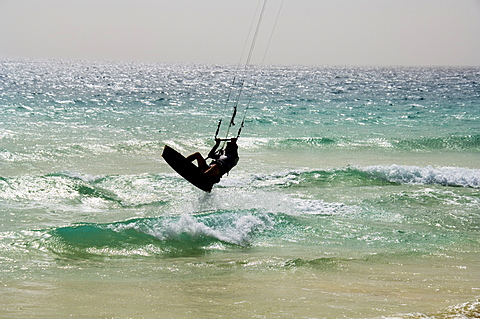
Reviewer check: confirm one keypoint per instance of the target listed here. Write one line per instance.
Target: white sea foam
(237, 229)
(34, 188)
(88, 178)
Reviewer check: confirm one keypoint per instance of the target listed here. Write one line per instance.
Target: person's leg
(197, 156)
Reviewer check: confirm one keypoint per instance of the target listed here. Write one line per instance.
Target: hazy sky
(313, 32)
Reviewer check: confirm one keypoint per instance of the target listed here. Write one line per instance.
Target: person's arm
(212, 153)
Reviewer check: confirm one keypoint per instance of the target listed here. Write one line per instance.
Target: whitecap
(447, 176)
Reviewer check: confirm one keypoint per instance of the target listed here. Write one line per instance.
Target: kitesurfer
(223, 160)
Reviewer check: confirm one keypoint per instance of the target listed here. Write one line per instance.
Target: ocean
(357, 193)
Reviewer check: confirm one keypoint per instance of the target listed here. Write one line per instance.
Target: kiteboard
(186, 169)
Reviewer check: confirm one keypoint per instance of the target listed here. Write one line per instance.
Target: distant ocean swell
(453, 142)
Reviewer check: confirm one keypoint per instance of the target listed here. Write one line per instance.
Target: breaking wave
(376, 175)
(446, 176)
(176, 235)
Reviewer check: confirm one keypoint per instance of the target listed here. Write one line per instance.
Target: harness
(225, 163)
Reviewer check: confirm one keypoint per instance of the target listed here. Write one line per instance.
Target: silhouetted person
(223, 160)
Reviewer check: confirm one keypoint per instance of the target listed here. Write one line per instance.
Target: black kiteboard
(186, 169)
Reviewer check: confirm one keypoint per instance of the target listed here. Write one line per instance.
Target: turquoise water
(357, 194)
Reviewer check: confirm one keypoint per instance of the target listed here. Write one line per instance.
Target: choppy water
(357, 193)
